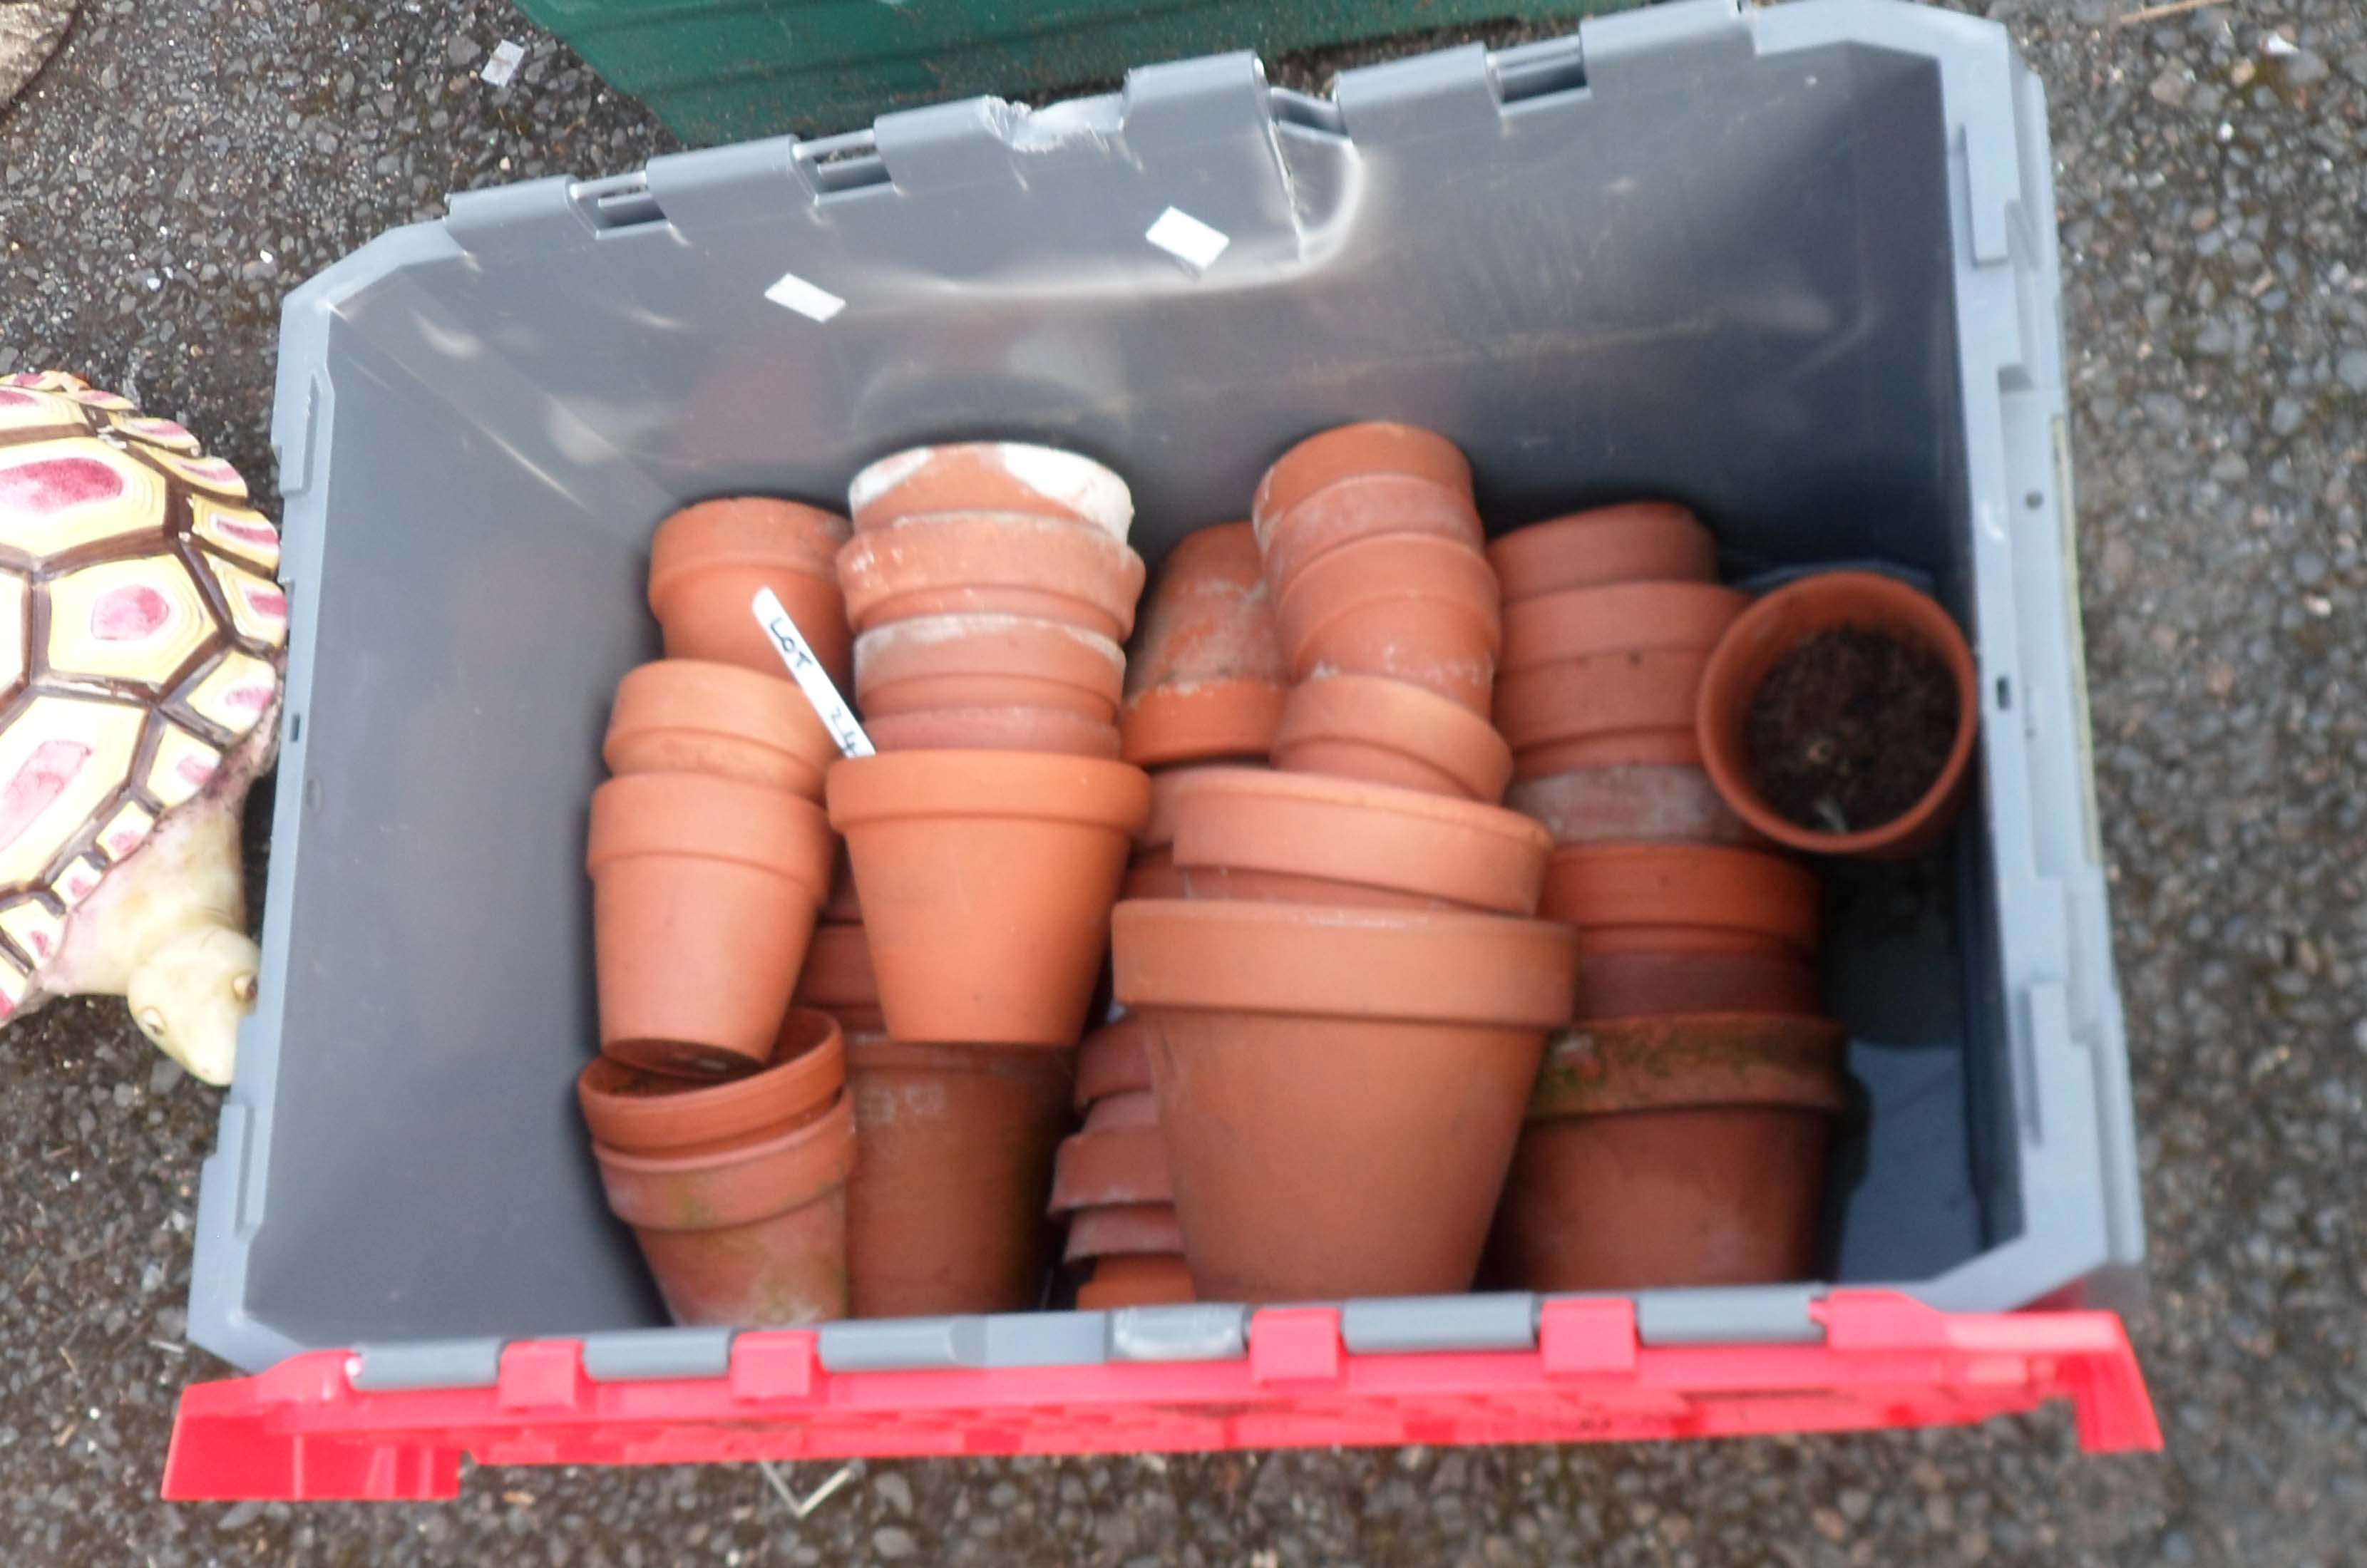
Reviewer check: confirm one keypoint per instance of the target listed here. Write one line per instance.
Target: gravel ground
(183, 162)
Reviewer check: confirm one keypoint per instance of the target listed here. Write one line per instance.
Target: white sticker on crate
(807, 300)
(1188, 239)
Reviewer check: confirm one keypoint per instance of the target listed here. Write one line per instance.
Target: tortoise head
(192, 994)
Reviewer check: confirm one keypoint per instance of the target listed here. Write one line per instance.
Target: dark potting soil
(1848, 729)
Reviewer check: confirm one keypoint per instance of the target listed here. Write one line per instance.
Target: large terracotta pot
(988, 563)
(684, 716)
(753, 1236)
(1638, 803)
(1376, 447)
(952, 661)
(1351, 510)
(636, 1112)
(1642, 541)
(1205, 679)
(987, 880)
(1405, 605)
(1339, 1090)
(955, 1163)
(1683, 898)
(995, 729)
(990, 476)
(1346, 831)
(1673, 1152)
(1627, 617)
(708, 561)
(1384, 731)
(1607, 710)
(1132, 1280)
(704, 894)
(1775, 625)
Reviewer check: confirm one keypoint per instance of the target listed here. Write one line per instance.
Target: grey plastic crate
(1795, 266)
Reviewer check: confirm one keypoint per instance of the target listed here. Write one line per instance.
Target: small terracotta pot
(956, 662)
(1358, 451)
(1603, 711)
(986, 879)
(1664, 896)
(991, 563)
(1404, 605)
(636, 1112)
(1115, 1059)
(837, 973)
(1644, 541)
(955, 1163)
(753, 1236)
(1383, 837)
(1627, 617)
(1360, 507)
(684, 716)
(995, 729)
(1123, 1230)
(1384, 731)
(1151, 1280)
(1645, 984)
(990, 476)
(1206, 678)
(704, 894)
(708, 561)
(1673, 1152)
(1118, 1164)
(1781, 622)
(1339, 1090)
(1640, 803)
(1125, 1111)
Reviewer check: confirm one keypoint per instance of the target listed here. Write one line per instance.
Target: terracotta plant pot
(1412, 608)
(1136, 1281)
(1384, 731)
(1673, 1152)
(1115, 1059)
(704, 894)
(1206, 678)
(753, 1236)
(986, 879)
(991, 563)
(684, 716)
(846, 908)
(1352, 510)
(1118, 1164)
(1639, 803)
(990, 476)
(1382, 837)
(1281, 888)
(1627, 617)
(956, 662)
(995, 729)
(1683, 898)
(955, 1163)
(1123, 1230)
(1339, 1090)
(636, 1112)
(1642, 541)
(837, 973)
(1775, 625)
(708, 561)
(1153, 874)
(1609, 710)
(1648, 984)
(1376, 447)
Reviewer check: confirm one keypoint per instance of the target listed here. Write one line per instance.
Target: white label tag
(810, 677)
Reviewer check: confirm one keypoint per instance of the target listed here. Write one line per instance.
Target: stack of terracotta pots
(1345, 1010)
(1676, 1135)
(990, 585)
(1111, 1183)
(718, 1120)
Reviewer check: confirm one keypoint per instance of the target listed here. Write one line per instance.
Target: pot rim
(790, 726)
(1609, 1066)
(795, 550)
(802, 1075)
(1103, 496)
(812, 1158)
(1568, 623)
(740, 823)
(1474, 753)
(1023, 785)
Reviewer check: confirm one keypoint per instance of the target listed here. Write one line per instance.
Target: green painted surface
(719, 71)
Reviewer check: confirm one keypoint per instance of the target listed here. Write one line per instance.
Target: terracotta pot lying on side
(1384, 731)
(954, 1165)
(1642, 541)
(990, 476)
(1339, 1090)
(991, 563)
(987, 881)
(1672, 1151)
(1780, 623)
(686, 716)
(1683, 898)
(1633, 803)
(1129, 1280)
(1407, 606)
(704, 895)
(956, 661)
(1206, 678)
(708, 561)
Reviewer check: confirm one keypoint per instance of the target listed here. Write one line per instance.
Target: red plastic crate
(303, 1432)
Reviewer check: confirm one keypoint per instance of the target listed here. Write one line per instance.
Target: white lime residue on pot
(807, 672)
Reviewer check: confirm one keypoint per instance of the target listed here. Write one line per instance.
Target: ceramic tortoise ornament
(142, 638)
